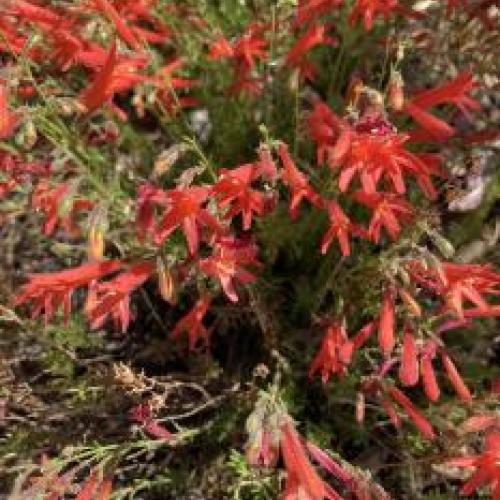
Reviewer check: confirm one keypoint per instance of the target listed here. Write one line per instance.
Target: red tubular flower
(192, 323)
(226, 264)
(334, 355)
(297, 182)
(457, 283)
(100, 90)
(114, 77)
(30, 12)
(340, 228)
(245, 51)
(94, 488)
(8, 120)
(372, 150)
(220, 49)
(184, 208)
(387, 207)
(125, 33)
(486, 465)
(308, 10)
(302, 480)
(48, 291)
(455, 378)
(58, 206)
(429, 381)
(452, 92)
(386, 337)
(408, 369)
(368, 10)
(418, 419)
(234, 188)
(296, 56)
(112, 298)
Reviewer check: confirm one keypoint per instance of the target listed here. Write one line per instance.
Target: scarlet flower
(429, 381)
(409, 369)
(95, 488)
(386, 337)
(115, 76)
(192, 323)
(245, 51)
(297, 182)
(112, 298)
(49, 291)
(234, 188)
(66, 47)
(386, 207)
(368, 10)
(167, 83)
(8, 120)
(101, 89)
(457, 283)
(125, 33)
(370, 149)
(418, 419)
(226, 264)
(309, 10)
(452, 92)
(302, 480)
(325, 128)
(335, 353)
(58, 206)
(486, 465)
(183, 208)
(296, 56)
(340, 228)
(35, 13)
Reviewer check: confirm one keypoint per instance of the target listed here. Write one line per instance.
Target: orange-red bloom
(234, 189)
(112, 298)
(340, 227)
(8, 120)
(486, 465)
(297, 182)
(335, 353)
(183, 208)
(368, 10)
(226, 264)
(192, 323)
(386, 338)
(387, 208)
(453, 92)
(460, 283)
(49, 291)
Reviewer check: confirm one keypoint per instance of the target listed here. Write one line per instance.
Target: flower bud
(95, 246)
(97, 229)
(395, 92)
(166, 283)
(360, 407)
(411, 304)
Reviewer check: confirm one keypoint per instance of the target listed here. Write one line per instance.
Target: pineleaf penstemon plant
(286, 159)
